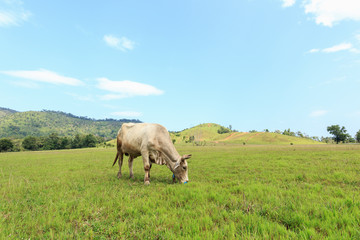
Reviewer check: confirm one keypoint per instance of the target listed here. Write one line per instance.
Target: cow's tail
(116, 158)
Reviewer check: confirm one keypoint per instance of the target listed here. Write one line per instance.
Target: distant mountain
(211, 132)
(42, 123)
(6, 111)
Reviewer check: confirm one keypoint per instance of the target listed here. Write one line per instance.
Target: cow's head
(181, 169)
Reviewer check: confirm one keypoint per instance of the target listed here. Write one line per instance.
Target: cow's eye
(184, 168)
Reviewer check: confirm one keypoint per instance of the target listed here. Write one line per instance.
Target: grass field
(248, 192)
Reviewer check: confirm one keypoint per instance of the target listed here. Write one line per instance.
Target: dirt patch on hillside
(228, 137)
(233, 135)
(257, 134)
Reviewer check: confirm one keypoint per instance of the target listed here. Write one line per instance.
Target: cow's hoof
(147, 183)
(119, 175)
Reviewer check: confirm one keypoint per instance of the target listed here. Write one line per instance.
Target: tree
(76, 142)
(288, 132)
(326, 139)
(340, 134)
(222, 130)
(357, 137)
(52, 142)
(300, 134)
(30, 143)
(89, 141)
(5, 145)
(65, 143)
(315, 138)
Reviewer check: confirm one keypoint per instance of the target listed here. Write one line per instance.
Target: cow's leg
(131, 167)
(121, 157)
(150, 169)
(145, 157)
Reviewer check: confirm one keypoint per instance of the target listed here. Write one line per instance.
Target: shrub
(222, 130)
(89, 141)
(30, 143)
(6, 145)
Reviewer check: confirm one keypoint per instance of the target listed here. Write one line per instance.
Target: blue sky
(252, 64)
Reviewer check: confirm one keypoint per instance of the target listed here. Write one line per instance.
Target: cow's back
(135, 137)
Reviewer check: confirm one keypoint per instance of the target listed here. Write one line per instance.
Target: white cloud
(328, 12)
(123, 89)
(122, 43)
(26, 84)
(315, 50)
(318, 113)
(13, 14)
(7, 19)
(113, 96)
(43, 75)
(127, 114)
(339, 47)
(288, 3)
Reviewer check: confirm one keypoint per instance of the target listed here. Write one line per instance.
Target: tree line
(340, 134)
(56, 142)
(92, 119)
(33, 123)
(51, 142)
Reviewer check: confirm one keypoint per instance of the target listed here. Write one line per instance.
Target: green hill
(6, 111)
(208, 132)
(34, 123)
(42, 123)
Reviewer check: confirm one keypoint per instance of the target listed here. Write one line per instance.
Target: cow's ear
(185, 157)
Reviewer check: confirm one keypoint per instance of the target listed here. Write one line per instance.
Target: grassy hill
(6, 111)
(208, 132)
(34, 123)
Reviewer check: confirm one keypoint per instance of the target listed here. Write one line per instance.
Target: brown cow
(153, 143)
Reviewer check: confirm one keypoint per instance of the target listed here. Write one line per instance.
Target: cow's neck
(172, 158)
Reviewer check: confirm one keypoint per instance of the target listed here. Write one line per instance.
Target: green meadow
(235, 192)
